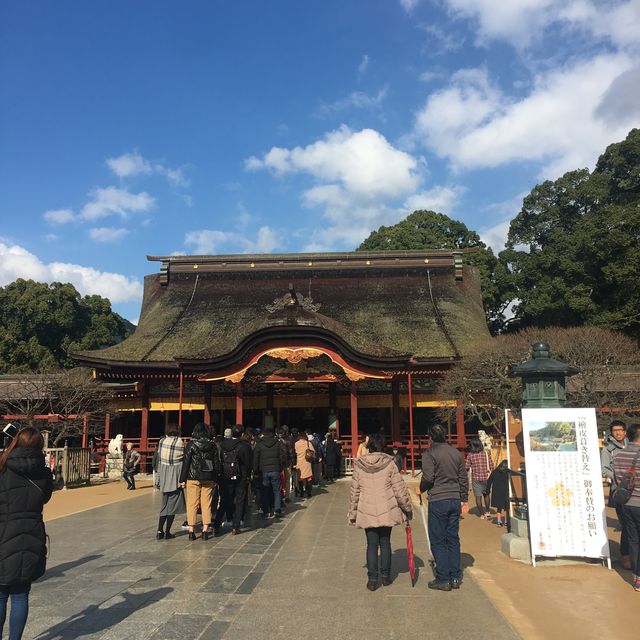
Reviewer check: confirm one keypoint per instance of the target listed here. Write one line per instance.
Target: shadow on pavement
(93, 619)
(61, 569)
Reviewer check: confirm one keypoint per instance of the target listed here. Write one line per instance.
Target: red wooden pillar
(207, 403)
(144, 428)
(180, 402)
(107, 428)
(413, 454)
(353, 396)
(239, 399)
(462, 438)
(85, 432)
(333, 407)
(395, 409)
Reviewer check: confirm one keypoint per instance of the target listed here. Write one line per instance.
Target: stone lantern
(543, 379)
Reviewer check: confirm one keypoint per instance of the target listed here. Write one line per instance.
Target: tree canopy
(40, 324)
(609, 378)
(573, 251)
(431, 230)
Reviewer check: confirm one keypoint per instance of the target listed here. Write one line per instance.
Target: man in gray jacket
(615, 441)
(444, 477)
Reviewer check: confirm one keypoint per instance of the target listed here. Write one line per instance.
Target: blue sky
(160, 127)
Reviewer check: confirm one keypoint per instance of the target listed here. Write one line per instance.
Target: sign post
(564, 484)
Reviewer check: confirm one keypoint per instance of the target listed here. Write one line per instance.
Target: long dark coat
(498, 485)
(25, 486)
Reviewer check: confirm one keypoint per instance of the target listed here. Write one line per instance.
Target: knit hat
(227, 433)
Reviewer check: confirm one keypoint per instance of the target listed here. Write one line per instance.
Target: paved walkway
(300, 577)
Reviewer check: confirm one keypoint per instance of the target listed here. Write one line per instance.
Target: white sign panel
(564, 483)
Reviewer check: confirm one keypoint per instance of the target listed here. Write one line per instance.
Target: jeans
(444, 524)
(130, 478)
(271, 492)
(19, 609)
(631, 517)
(378, 537)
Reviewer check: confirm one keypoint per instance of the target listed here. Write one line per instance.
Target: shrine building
(354, 341)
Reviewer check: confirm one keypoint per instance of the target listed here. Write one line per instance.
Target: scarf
(170, 450)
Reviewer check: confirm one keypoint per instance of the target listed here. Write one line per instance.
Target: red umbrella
(412, 564)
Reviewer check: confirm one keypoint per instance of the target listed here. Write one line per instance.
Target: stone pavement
(303, 576)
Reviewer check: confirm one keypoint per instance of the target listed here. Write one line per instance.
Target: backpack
(230, 465)
(627, 484)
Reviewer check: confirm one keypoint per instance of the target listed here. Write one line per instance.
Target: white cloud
(214, 241)
(441, 40)
(112, 200)
(474, 124)
(209, 241)
(364, 64)
(409, 5)
(496, 235)
(521, 22)
(267, 240)
(175, 177)
(129, 164)
(132, 164)
(17, 262)
(360, 181)
(439, 198)
(107, 234)
(355, 100)
(360, 162)
(59, 216)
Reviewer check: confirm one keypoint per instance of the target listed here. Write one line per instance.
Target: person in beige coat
(379, 500)
(302, 467)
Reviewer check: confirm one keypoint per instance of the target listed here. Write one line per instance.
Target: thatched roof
(376, 308)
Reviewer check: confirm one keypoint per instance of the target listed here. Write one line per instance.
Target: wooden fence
(71, 467)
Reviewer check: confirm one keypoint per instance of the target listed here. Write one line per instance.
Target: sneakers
(455, 583)
(636, 583)
(386, 581)
(440, 585)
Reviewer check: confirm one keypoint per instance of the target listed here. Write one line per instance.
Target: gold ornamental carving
(295, 356)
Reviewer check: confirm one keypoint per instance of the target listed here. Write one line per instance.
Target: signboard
(564, 483)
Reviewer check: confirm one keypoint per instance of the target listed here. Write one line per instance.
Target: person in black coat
(269, 458)
(237, 458)
(200, 471)
(25, 486)
(331, 457)
(498, 485)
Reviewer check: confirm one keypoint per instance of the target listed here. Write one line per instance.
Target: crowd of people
(220, 477)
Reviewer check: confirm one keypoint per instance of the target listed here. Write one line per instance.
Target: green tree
(573, 252)
(431, 230)
(40, 324)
